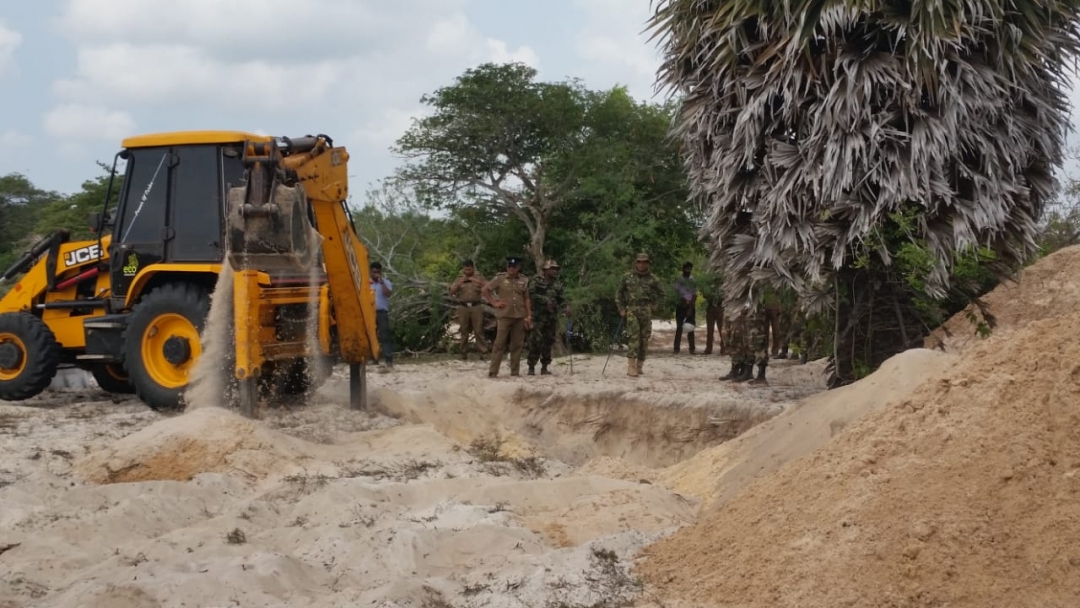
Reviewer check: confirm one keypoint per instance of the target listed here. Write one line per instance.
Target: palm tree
(814, 129)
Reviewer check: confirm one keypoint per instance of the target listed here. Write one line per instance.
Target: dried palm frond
(807, 123)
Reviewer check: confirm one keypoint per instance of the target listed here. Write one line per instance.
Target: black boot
(544, 370)
(746, 373)
(532, 370)
(736, 371)
(760, 380)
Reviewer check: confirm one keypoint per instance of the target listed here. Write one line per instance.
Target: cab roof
(181, 138)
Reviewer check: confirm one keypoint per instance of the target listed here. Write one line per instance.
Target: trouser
(756, 345)
(736, 340)
(511, 333)
(385, 336)
(684, 311)
(773, 329)
(714, 319)
(638, 330)
(541, 339)
(471, 319)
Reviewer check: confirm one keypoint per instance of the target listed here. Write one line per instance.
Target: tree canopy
(818, 133)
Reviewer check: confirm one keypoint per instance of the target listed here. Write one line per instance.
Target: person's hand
(622, 313)
(499, 304)
(528, 322)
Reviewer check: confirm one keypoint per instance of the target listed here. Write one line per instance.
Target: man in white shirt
(383, 288)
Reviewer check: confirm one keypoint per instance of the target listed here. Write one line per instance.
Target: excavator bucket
(271, 235)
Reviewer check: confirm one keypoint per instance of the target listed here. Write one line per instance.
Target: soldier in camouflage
(546, 293)
(757, 347)
(639, 293)
(748, 342)
(714, 313)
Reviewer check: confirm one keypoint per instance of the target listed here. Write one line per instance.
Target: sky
(78, 76)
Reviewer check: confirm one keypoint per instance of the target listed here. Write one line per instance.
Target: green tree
(73, 212)
(21, 204)
(500, 141)
(820, 135)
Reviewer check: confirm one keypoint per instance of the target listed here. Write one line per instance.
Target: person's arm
(456, 287)
(528, 311)
(658, 291)
(486, 294)
(387, 287)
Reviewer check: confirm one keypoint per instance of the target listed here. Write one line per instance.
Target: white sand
(456, 490)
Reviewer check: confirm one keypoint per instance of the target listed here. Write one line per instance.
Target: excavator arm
(290, 209)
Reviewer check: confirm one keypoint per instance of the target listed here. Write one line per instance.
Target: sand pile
(719, 473)
(1045, 289)
(965, 494)
(205, 440)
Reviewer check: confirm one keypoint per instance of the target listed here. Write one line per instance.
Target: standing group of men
(523, 306)
(531, 307)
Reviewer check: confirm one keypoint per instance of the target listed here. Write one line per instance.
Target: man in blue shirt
(383, 288)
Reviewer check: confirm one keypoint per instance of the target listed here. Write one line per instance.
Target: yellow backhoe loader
(131, 306)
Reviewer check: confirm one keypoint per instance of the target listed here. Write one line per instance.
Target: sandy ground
(581, 489)
(455, 489)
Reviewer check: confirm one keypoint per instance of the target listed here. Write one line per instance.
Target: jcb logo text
(81, 255)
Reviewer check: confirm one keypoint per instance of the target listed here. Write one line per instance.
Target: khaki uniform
(470, 312)
(511, 320)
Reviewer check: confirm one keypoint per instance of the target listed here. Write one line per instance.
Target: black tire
(32, 354)
(112, 378)
(158, 381)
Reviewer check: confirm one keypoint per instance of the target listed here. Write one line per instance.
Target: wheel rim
(115, 373)
(11, 373)
(158, 333)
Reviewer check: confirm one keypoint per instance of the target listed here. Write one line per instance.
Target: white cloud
(450, 35)
(606, 49)
(159, 74)
(614, 46)
(385, 130)
(9, 42)
(248, 29)
(14, 139)
(74, 121)
(499, 53)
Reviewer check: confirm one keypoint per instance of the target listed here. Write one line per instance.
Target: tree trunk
(536, 242)
(873, 317)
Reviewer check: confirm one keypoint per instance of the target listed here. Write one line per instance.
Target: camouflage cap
(642, 257)
(551, 264)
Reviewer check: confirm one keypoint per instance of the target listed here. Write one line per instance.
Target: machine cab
(173, 201)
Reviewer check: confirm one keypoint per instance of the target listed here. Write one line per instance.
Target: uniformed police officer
(508, 293)
(470, 311)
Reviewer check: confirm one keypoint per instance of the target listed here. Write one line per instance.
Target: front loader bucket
(274, 235)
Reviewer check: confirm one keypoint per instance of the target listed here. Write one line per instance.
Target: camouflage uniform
(470, 310)
(638, 295)
(748, 342)
(773, 310)
(511, 319)
(714, 313)
(547, 300)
